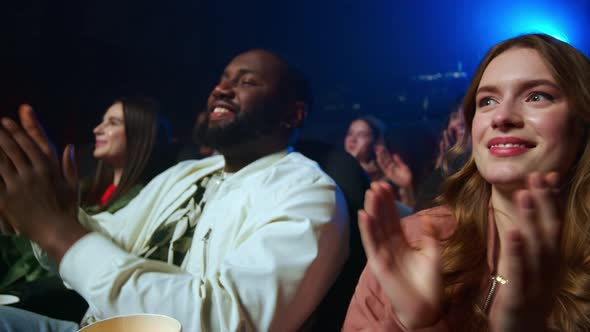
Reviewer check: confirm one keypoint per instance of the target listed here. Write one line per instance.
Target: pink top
(370, 308)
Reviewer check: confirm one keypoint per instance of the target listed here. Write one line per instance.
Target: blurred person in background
(365, 141)
(132, 145)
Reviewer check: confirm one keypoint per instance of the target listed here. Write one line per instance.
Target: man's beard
(245, 126)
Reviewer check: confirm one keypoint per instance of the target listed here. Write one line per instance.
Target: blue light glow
(553, 26)
(536, 17)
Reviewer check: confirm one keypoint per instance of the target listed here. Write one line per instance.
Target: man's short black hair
(298, 85)
(294, 82)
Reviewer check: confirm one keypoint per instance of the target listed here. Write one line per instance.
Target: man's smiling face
(246, 103)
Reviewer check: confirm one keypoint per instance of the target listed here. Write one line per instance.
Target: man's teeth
(221, 110)
(508, 145)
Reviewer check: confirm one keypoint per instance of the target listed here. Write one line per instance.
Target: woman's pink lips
(498, 146)
(508, 151)
(510, 140)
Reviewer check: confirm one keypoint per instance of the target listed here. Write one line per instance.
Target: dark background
(70, 59)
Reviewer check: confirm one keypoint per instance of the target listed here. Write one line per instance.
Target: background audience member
(365, 141)
(133, 144)
(452, 134)
(509, 249)
(453, 152)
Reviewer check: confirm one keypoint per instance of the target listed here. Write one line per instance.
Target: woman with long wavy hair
(507, 249)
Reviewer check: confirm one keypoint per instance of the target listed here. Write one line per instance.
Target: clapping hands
(409, 275)
(393, 167)
(38, 198)
(532, 258)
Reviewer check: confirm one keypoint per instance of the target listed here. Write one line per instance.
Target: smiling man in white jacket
(247, 241)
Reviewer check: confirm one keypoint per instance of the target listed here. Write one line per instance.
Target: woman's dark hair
(148, 137)
(377, 127)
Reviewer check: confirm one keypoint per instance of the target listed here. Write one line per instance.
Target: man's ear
(295, 118)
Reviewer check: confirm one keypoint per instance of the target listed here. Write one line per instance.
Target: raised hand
(449, 138)
(36, 198)
(409, 275)
(532, 258)
(393, 167)
(35, 131)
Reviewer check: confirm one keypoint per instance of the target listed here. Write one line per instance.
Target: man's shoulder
(187, 167)
(297, 158)
(197, 163)
(183, 173)
(299, 166)
(292, 171)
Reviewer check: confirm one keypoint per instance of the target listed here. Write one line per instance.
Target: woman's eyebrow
(522, 85)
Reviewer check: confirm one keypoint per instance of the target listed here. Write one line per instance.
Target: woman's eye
(540, 96)
(487, 101)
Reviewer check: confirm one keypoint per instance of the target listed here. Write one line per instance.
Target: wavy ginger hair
(468, 194)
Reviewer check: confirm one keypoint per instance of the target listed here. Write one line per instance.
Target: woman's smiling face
(111, 142)
(522, 121)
